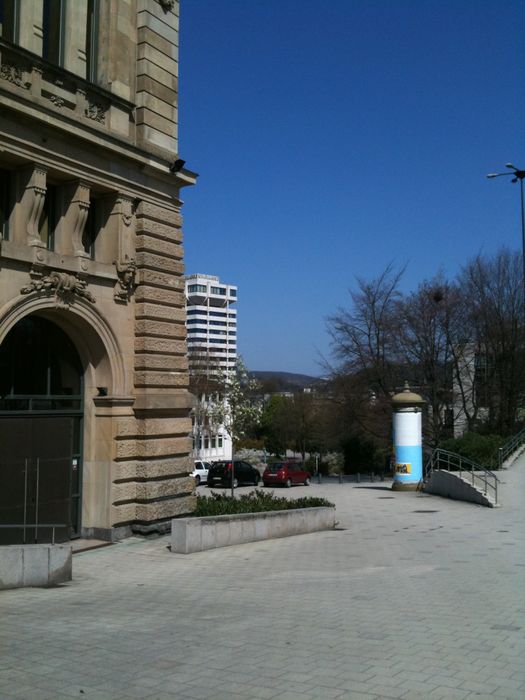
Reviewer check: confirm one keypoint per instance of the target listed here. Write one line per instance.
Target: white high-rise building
(211, 322)
(212, 344)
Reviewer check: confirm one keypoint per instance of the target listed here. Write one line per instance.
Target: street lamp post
(518, 176)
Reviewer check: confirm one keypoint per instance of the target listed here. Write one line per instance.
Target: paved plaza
(411, 597)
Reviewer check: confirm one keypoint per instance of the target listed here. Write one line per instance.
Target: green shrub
(255, 502)
(482, 449)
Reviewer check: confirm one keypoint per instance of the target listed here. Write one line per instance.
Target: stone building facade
(94, 401)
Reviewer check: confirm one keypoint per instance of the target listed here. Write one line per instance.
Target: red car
(286, 474)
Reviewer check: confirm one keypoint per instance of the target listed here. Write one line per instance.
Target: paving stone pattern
(413, 597)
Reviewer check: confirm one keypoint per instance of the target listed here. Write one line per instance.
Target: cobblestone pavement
(412, 597)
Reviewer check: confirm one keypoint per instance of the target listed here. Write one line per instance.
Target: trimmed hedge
(482, 449)
(255, 502)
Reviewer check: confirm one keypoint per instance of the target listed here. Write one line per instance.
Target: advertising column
(407, 432)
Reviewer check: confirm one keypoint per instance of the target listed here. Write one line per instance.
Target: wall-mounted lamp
(177, 165)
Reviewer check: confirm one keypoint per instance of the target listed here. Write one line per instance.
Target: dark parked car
(286, 474)
(220, 474)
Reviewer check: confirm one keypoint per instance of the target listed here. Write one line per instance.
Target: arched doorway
(41, 415)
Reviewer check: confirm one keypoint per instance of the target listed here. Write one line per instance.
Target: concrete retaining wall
(199, 534)
(451, 485)
(513, 457)
(35, 565)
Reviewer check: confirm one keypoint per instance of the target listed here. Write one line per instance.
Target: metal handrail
(36, 526)
(510, 446)
(451, 461)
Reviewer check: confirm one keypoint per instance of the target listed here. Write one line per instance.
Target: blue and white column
(408, 449)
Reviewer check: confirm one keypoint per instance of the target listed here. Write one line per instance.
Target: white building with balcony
(212, 345)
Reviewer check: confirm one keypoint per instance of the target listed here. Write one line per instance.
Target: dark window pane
(9, 13)
(52, 22)
(5, 202)
(38, 359)
(92, 40)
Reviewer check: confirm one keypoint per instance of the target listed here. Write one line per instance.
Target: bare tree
(460, 343)
(364, 337)
(492, 289)
(424, 348)
(366, 347)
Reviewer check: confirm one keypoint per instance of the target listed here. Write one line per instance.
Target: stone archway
(103, 377)
(96, 343)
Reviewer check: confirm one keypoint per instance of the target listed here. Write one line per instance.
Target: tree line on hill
(459, 342)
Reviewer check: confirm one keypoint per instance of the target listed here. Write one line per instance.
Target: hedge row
(255, 502)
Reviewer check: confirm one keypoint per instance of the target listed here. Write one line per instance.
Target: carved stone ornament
(167, 5)
(125, 285)
(13, 74)
(96, 112)
(57, 101)
(64, 286)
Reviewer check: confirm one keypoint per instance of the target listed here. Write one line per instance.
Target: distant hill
(285, 381)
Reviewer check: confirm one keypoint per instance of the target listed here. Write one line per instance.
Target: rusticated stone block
(171, 297)
(161, 313)
(165, 329)
(166, 379)
(156, 142)
(150, 261)
(156, 447)
(147, 36)
(151, 469)
(166, 509)
(152, 490)
(155, 121)
(133, 427)
(160, 279)
(160, 58)
(161, 76)
(146, 345)
(162, 231)
(155, 211)
(163, 402)
(159, 246)
(149, 86)
(171, 363)
(125, 513)
(166, 109)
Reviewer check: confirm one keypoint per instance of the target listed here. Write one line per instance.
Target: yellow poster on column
(403, 468)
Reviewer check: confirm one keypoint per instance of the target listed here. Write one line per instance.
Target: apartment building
(211, 322)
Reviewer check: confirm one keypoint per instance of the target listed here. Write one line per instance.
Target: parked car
(286, 474)
(220, 474)
(200, 471)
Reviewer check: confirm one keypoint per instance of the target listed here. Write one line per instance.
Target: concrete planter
(37, 565)
(199, 534)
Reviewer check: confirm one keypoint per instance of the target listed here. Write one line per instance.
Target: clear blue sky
(334, 137)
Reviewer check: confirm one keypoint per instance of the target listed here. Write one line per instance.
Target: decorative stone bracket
(64, 286)
(125, 285)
